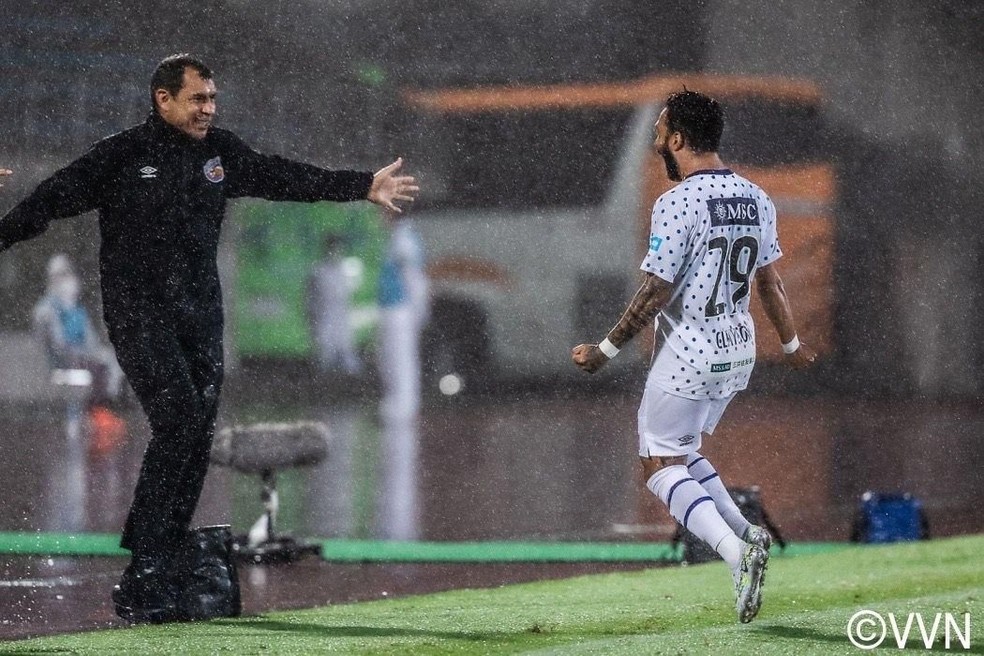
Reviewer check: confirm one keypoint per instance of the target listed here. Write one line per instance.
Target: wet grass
(809, 600)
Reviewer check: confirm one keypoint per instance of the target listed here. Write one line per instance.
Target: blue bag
(884, 518)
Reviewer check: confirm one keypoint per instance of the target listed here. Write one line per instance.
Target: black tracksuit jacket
(161, 198)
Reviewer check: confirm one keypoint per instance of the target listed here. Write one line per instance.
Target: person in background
(404, 304)
(70, 341)
(329, 308)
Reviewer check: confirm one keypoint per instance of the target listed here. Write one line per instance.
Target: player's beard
(672, 168)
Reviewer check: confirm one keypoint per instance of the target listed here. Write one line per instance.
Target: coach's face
(192, 109)
(662, 146)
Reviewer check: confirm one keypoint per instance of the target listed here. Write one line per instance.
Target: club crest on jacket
(213, 170)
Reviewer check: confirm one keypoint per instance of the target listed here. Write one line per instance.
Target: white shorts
(671, 425)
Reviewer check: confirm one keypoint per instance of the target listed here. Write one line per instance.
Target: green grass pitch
(809, 600)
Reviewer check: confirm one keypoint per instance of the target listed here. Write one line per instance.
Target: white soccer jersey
(708, 236)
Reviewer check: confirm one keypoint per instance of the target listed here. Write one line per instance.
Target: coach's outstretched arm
(643, 308)
(4, 172)
(776, 306)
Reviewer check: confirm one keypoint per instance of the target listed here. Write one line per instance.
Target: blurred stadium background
(896, 407)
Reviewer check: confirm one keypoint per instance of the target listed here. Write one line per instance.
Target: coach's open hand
(588, 357)
(388, 187)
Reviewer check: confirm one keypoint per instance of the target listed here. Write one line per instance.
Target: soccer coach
(160, 189)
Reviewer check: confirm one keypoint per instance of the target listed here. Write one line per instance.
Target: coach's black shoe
(144, 593)
(205, 575)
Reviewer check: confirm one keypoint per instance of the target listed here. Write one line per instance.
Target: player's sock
(701, 469)
(690, 505)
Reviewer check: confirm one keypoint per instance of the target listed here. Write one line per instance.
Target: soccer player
(710, 235)
(161, 189)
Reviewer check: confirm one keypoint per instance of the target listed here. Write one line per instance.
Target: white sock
(702, 469)
(690, 505)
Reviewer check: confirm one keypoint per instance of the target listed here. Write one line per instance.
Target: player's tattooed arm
(643, 308)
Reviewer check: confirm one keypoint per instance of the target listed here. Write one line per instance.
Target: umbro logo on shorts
(148, 172)
(686, 439)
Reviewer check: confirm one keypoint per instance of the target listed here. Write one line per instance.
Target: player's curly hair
(699, 118)
(169, 74)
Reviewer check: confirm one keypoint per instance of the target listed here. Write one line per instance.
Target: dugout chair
(265, 449)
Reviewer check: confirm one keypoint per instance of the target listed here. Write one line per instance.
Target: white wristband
(608, 348)
(791, 345)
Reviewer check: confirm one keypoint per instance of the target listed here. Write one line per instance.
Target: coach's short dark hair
(169, 74)
(698, 118)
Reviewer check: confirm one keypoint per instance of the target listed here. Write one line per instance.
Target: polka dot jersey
(708, 236)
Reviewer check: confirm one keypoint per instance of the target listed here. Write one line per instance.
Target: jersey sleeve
(769, 251)
(669, 233)
(72, 190)
(258, 175)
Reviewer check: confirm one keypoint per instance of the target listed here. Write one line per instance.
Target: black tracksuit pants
(175, 368)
